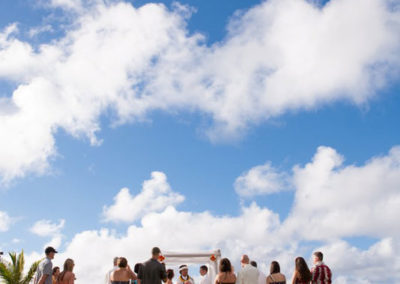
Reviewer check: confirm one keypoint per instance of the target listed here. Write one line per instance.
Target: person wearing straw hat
(184, 278)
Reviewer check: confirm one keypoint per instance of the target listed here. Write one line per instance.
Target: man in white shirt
(249, 274)
(262, 278)
(108, 275)
(205, 278)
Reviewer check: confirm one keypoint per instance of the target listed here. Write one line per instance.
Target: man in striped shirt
(321, 274)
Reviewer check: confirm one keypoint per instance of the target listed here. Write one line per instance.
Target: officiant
(184, 278)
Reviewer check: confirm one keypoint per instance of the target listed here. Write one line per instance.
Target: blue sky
(82, 178)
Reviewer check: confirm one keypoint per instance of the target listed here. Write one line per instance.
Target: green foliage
(13, 272)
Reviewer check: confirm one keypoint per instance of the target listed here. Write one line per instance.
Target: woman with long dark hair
(275, 276)
(124, 274)
(302, 274)
(225, 275)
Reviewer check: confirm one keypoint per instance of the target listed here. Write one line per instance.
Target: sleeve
(238, 280)
(314, 274)
(140, 273)
(48, 269)
(163, 272)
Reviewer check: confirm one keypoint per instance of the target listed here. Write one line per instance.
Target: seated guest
(56, 272)
(302, 274)
(123, 274)
(170, 276)
(225, 275)
(275, 276)
(67, 276)
(321, 274)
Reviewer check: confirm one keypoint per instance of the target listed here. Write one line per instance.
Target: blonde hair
(68, 266)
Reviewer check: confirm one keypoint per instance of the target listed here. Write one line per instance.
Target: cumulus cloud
(327, 193)
(278, 56)
(155, 196)
(364, 204)
(46, 228)
(5, 221)
(264, 179)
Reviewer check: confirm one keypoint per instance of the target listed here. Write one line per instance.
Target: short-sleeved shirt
(152, 272)
(45, 268)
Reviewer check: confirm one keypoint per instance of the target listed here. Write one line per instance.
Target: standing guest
(67, 276)
(261, 275)
(225, 275)
(153, 272)
(45, 269)
(136, 269)
(56, 272)
(184, 278)
(205, 278)
(275, 276)
(302, 274)
(321, 273)
(248, 274)
(108, 275)
(170, 276)
(124, 274)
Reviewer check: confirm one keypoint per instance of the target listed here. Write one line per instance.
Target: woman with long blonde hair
(67, 276)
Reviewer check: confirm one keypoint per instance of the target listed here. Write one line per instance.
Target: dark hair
(170, 274)
(302, 271)
(225, 265)
(253, 263)
(123, 262)
(204, 267)
(155, 251)
(55, 269)
(319, 255)
(137, 267)
(274, 268)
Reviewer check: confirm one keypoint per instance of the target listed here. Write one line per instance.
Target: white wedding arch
(209, 258)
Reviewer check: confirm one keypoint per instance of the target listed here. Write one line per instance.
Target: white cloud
(364, 204)
(264, 179)
(333, 200)
(155, 196)
(46, 228)
(5, 221)
(279, 56)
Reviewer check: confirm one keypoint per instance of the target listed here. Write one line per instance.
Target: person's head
(69, 265)
(115, 260)
(244, 260)
(155, 252)
(183, 270)
(170, 274)
(225, 265)
(123, 262)
(302, 271)
(203, 270)
(318, 256)
(56, 271)
(137, 267)
(50, 252)
(253, 263)
(274, 268)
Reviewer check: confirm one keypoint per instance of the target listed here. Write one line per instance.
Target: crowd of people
(154, 271)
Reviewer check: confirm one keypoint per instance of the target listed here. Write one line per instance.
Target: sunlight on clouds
(365, 203)
(5, 221)
(278, 56)
(155, 196)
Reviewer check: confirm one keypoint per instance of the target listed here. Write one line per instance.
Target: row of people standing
(154, 272)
